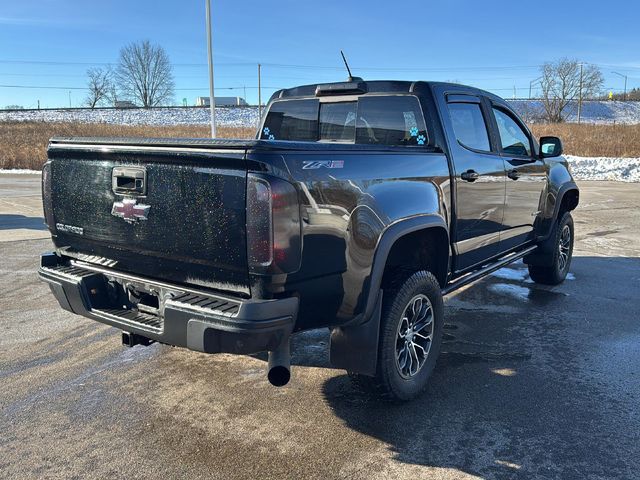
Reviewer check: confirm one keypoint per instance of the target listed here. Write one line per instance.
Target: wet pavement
(533, 382)
(21, 208)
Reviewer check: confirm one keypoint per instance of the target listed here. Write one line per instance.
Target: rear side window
(513, 138)
(292, 120)
(382, 120)
(469, 125)
(396, 120)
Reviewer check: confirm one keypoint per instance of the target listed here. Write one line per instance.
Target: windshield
(379, 119)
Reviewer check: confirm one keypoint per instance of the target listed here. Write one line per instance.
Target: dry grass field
(24, 144)
(594, 140)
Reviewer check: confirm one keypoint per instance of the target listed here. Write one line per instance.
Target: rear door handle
(470, 176)
(513, 174)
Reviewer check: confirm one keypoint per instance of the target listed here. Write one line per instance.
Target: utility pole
(531, 83)
(212, 98)
(580, 96)
(259, 92)
(245, 93)
(514, 92)
(625, 84)
(69, 98)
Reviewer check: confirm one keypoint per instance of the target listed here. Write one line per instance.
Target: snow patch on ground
(521, 293)
(593, 111)
(597, 112)
(511, 274)
(19, 171)
(605, 168)
(225, 116)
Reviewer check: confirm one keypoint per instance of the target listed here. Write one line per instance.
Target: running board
(486, 270)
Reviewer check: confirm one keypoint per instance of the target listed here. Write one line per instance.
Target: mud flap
(355, 348)
(543, 255)
(539, 258)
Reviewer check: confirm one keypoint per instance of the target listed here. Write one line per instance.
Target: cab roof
(359, 86)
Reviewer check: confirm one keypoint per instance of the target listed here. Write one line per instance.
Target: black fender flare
(542, 255)
(388, 238)
(354, 346)
(564, 189)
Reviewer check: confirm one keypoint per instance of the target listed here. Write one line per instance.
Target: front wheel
(557, 266)
(410, 336)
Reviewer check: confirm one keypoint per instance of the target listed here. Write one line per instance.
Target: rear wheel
(555, 269)
(410, 336)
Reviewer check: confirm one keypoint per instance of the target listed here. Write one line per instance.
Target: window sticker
(267, 133)
(421, 139)
(414, 131)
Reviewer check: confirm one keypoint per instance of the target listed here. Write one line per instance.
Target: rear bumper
(196, 320)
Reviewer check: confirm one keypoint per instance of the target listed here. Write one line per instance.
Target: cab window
(292, 120)
(469, 126)
(513, 138)
(376, 119)
(338, 122)
(390, 120)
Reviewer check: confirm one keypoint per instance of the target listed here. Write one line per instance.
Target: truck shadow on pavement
(14, 222)
(528, 383)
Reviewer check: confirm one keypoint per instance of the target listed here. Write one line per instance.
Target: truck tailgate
(170, 213)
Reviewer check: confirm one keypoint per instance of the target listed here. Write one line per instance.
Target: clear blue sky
(493, 45)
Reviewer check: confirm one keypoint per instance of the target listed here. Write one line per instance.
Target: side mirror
(550, 147)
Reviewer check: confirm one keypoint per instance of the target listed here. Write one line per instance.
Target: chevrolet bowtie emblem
(129, 210)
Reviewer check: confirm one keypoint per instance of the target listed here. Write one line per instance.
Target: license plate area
(128, 302)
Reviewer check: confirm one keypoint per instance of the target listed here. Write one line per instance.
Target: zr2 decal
(314, 164)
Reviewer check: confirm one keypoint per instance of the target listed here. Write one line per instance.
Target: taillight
(46, 197)
(273, 225)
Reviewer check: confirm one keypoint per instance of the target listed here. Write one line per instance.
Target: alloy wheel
(564, 247)
(414, 337)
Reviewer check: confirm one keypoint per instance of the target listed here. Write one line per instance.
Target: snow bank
(19, 171)
(605, 168)
(225, 116)
(600, 112)
(595, 112)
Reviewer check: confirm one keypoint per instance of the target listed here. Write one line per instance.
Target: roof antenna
(344, 59)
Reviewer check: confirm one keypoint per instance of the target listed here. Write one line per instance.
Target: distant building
(124, 104)
(222, 102)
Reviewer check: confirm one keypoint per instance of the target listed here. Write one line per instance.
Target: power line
(58, 63)
(44, 87)
(331, 67)
(282, 65)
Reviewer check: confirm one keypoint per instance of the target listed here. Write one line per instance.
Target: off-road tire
(556, 267)
(399, 292)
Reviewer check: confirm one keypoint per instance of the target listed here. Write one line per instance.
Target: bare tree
(562, 83)
(99, 84)
(144, 74)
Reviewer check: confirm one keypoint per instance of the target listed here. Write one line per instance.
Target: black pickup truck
(357, 208)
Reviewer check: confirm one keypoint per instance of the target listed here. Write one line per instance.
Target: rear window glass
(394, 120)
(382, 120)
(338, 122)
(292, 120)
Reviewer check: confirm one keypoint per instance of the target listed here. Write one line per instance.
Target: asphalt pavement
(533, 382)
